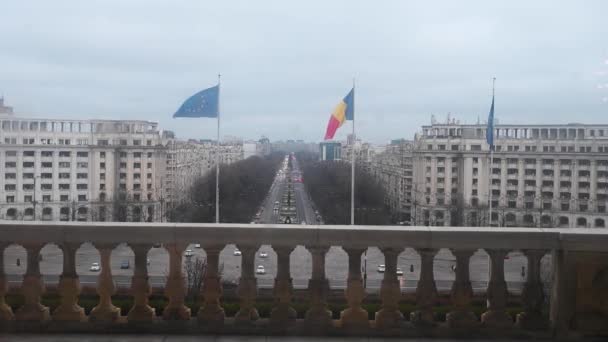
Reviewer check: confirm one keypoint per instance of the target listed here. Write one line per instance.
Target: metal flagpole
(352, 168)
(217, 156)
(491, 161)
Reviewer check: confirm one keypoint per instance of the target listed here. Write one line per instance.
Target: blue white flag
(490, 128)
(204, 104)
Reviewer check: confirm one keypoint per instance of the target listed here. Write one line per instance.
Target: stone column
(175, 288)
(69, 287)
(354, 316)
(211, 311)
(6, 313)
(283, 314)
(318, 315)
(532, 295)
(426, 291)
(496, 316)
(32, 287)
(389, 315)
(461, 316)
(140, 287)
(247, 289)
(105, 311)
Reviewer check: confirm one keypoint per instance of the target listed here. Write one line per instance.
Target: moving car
(237, 252)
(260, 270)
(188, 253)
(94, 267)
(197, 245)
(125, 264)
(399, 271)
(263, 255)
(381, 268)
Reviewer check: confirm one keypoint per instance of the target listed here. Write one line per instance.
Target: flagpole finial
(219, 77)
(493, 85)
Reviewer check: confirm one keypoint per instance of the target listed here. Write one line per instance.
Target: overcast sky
(286, 64)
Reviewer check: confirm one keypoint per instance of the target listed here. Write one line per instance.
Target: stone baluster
(140, 287)
(426, 291)
(247, 289)
(318, 316)
(6, 313)
(33, 287)
(354, 316)
(496, 315)
(211, 311)
(105, 311)
(389, 315)
(283, 314)
(532, 295)
(175, 288)
(461, 316)
(69, 287)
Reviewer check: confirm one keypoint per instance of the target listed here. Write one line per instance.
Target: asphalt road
(301, 262)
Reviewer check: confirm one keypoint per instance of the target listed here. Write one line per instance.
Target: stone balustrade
(579, 300)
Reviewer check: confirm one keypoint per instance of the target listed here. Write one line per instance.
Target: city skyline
(283, 75)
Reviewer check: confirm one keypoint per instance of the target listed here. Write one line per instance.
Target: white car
(94, 267)
(198, 245)
(260, 270)
(399, 272)
(237, 252)
(188, 253)
(381, 268)
(263, 255)
(304, 223)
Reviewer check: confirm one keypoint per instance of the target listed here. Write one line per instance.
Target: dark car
(125, 264)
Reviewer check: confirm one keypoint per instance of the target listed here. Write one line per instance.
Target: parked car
(260, 270)
(237, 252)
(381, 268)
(399, 271)
(125, 264)
(94, 267)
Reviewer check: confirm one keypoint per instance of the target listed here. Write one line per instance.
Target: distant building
(5, 109)
(331, 150)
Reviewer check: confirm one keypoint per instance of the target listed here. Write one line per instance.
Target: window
(46, 198)
(137, 142)
(102, 176)
(11, 153)
(82, 175)
(136, 165)
(137, 155)
(137, 176)
(475, 147)
(123, 165)
(28, 164)
(64, 153)
(64, 186)
(64, 164)
(46, 153)
(149, 176)
(123, 175)
(64, 175)
(46, 186)
(149, 142)
(46, 175)
(64, 198)
(149, 165)
(47, 164)
(102, 186)
(136, 197)
(28, 153)
(64, 141)
(136, 186)
(149, 187)
(102, 142)
(123, 142)
(123, 154)
(81, 186)
(102, 166)
(82, 154)
(10, 187)
(10, 175)
(28, 187)
(149, 154)
(10, 164)
(10, 199)
(82, 198)
(82, 165)
(28, 141)
(102, 154)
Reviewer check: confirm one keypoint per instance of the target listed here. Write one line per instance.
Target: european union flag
(204, 104)
(490, 128)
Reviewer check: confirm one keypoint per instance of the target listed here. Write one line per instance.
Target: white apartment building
(81, 170)
(541, 176)
(394, 170)
(189, 160)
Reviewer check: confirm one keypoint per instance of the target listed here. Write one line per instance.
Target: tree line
(243, 187)
(329, 182)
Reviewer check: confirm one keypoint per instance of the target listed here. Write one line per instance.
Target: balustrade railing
(578, 301)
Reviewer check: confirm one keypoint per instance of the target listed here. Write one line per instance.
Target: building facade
(331, 150)
(540, 175)
(393, 169)
(80, 169)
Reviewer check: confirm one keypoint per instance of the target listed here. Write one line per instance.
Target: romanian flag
(344, 111)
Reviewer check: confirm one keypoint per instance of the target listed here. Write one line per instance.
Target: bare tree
(195, 269)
